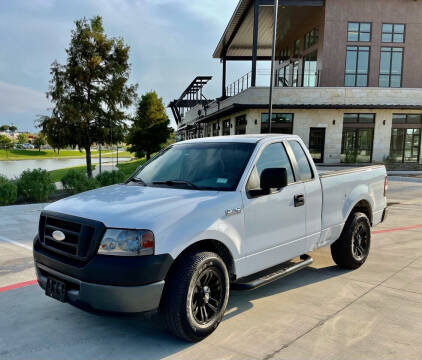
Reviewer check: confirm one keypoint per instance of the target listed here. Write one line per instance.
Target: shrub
(35, 185)
(76, 182)
(110, 177)
(8, 191)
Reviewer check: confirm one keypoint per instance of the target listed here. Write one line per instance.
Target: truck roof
(249, 138)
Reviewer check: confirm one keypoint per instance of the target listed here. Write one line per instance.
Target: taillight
(385, 186)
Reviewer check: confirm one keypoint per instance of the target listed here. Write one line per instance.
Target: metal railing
(308, 79)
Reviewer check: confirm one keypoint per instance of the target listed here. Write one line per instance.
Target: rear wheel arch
(364, 207)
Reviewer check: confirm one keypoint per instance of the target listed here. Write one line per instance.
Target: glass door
(317, 144)
(357, 145)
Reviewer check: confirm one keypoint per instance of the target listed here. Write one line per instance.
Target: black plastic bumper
(106, 269)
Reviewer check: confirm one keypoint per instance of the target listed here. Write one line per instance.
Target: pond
(14, 168)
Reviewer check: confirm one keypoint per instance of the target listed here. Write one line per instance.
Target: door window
(317, 143)
(273, 156)
(305, 171)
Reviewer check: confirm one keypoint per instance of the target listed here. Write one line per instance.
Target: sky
(171, 42)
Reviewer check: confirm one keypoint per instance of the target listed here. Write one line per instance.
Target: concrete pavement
(321, 312)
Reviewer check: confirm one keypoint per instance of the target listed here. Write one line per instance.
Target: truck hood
(134, 206)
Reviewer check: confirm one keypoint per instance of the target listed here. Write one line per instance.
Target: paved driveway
(321, 312)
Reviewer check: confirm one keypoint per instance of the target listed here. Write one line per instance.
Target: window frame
(236, 124)
(256, 159)
(279, 114)
(359, 31)
(296, 170)
(225, 122)
(392, 33)
(296, 48)
(355, 74)
(311, 38)
(308, 76)
(390, 74)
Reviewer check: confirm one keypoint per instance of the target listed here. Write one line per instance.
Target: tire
(351, 250)
(196, 295)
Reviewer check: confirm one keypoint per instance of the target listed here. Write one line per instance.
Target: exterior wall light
(334, 122)
(256, 122)
(383, 122)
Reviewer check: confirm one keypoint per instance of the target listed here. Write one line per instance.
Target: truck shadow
(241, 301)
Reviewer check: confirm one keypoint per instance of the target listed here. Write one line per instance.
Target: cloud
(16, 99)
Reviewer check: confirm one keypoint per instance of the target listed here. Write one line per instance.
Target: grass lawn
(20, 154)
(129, 167)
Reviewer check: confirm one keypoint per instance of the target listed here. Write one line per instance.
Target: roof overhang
(239, 107)
(236, 42)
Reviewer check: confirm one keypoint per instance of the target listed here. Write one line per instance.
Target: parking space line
(17, 243)
(17, 286)
(397, 229)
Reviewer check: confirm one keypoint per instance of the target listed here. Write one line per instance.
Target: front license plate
(56, 289)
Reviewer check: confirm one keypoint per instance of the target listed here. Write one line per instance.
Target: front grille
(81, 235)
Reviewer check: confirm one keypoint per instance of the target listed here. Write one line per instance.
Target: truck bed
(342, 190)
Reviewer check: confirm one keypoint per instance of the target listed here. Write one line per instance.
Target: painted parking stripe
(17, 243)
(397, 229)
(17, 286)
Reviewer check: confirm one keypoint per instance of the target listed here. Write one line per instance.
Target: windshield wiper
(138, 181)
(176, 182)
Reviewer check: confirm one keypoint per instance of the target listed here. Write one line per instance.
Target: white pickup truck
(199, 218)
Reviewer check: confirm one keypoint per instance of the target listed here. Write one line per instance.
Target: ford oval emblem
(59, 235)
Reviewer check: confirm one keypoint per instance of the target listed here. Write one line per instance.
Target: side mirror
(273, 178)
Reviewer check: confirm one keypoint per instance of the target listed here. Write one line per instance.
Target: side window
(305, 171)
(273, 156)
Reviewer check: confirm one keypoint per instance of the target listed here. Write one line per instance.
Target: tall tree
(150, 126)
(6, 143)
(39, 141)
(90, 92)
(4, 127)
(13, 128)
(22, 138)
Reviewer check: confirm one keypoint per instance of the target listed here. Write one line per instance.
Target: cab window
(273, 156)
(305, 171)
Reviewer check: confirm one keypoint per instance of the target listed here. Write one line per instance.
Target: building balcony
(309, 97)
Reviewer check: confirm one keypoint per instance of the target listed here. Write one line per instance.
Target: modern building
(348, 79)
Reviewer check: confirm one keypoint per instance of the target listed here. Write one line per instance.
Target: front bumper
(128, 299)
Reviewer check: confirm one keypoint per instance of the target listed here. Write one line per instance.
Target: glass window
(280, 124)
(310, 74)
(284, 76)
(391, 62)
(311, 38)
(215, 129)
(208, 166)
(297, 48)
(359, 31)
(405, 144)
(273, 156)
(305, 171)
(226, 127)
(357, 66)
(393, 33)
(358, 134)
(295, 80)
(359, 118)
(241, 125)
(285, 53)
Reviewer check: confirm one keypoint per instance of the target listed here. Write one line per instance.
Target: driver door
(275, 223)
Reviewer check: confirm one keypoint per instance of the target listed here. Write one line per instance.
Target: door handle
(299, 200)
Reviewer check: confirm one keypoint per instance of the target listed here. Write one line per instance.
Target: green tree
(90, 92)
(4, 127)
(22, 138)
(13, 128)
(150, 126)
(39, 141)
(6, 143)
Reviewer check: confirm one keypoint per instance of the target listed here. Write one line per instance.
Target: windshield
(201, 166)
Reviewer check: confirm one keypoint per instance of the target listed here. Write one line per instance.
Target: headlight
(127, 242)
